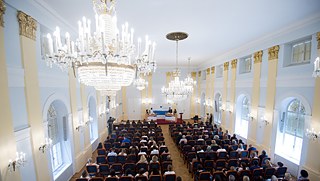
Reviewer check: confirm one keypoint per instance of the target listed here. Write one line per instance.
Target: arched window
(217, 108)
(290, 131)
(93, 120)
(241, 126)
(53, 133)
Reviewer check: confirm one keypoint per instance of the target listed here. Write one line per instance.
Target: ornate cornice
(226, 66)
(234, 63)
(208, 71)
(213, 70)
(28, 25)
(257, 57)
(318, 39)
(273, 52)
(199, 73)
(2, 11)
(193, 74)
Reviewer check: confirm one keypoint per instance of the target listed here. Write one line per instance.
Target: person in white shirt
(112, 153)
(240, 148)
(183, 139)
(221, 150)
(154, 151)
(170, 171)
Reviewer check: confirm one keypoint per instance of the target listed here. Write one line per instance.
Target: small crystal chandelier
(18, 162)
(316, 71)
(312, 135)
(189, 80)
(140, 83)
(177, 89)
(104, 57)
(145, 61)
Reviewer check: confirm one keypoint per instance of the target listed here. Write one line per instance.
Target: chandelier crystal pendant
(145, 60)
(189, 80)
(177, 89)
(140, 83)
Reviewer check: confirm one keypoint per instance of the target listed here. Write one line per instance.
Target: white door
(134, 109)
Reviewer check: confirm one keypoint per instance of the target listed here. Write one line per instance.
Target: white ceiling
(214, 26)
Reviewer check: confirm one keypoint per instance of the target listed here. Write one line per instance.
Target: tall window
(301, 52)
(53, 133)
(241, 127)
(245, 65)
(91, 128)
(218, 107)
(219, 71)
(291, 130)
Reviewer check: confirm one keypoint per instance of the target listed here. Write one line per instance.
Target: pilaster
(224, 94)
(28, 28)
(232, 94)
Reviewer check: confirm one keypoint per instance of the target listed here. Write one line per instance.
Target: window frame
(243, 65)
(297, 43)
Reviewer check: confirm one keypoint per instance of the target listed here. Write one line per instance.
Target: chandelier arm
(177, 47)
(74, 69)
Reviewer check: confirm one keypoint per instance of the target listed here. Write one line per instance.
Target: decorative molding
(226, 66)
(318, 39)
(28, 25)
(208, 71)
(193, 74)
(2, 11)
(273, 52)
(234, 63)
(199, 73)
(257, 57)
(213, 70)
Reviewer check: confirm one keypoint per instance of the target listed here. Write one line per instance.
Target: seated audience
(255, 165)
(303, 175)
(143, 159)
(112, 173)
(123, 152)
(85, 174)
(142, 172)
(154, 159)
(112, 153)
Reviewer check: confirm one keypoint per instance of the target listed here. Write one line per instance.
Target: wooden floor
(178, 166)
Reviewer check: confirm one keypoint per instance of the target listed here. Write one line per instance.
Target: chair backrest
(101, 151)
(111, 159)
(155, 178)
(98, 179)
(244, 154)
(82, 179)
(104, 169)
(202, 155)
(281, 171)
(126, 178)
(101, 160)
(233, 154)
(141, 165)
(169, 177)
(257, 172)
(142, 178)
(154, 166)
(164, 165)
(92, 169)
(244, 173)
(132, 166)
(121, 159)
(212, 155)
(215, 148)
(204, 176)
(221, 163)
(208, 164)
(117, 167)
(222, 155)
(233, 162)
(132, 158)
(269, 172)
(218, 173)
(232, 172)
(110, 179)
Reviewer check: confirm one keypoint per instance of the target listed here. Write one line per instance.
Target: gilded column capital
(257, 57)
(234, 63)
(193, 74)
(213, 70)
(168, 73)
(273, 52)
(2, 11)
(226, 66)
(318, 39)
(28, 25)
(199, 73)
(208, 71)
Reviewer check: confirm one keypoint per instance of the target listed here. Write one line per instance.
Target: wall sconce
(197, 100)
(146, 101)
(46, 145)
(312, 135)
(316, 71)
(250, 116)
(169, 101)
(208, 103)
(80, 126)
(264, 120)
(90, 120)
(17, 162)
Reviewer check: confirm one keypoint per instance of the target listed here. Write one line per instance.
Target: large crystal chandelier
(177, 89)
(105, 57)
(189, 82)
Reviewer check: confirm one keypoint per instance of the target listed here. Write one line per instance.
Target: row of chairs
(169, 177)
